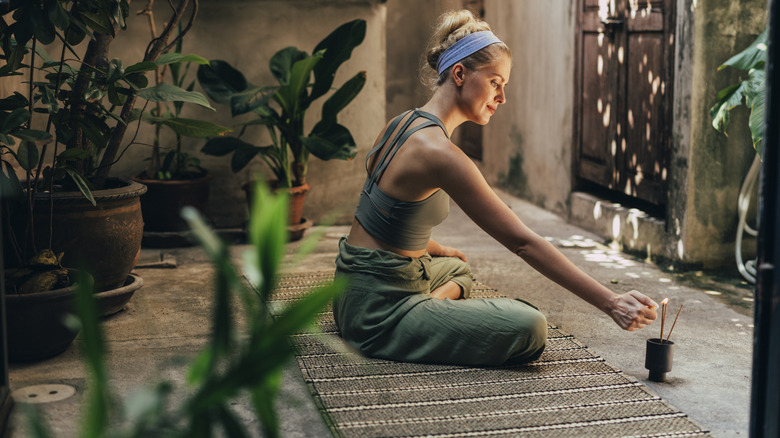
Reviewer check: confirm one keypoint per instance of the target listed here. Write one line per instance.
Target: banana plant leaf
(221, 81)
(754, 56)
(292, 97)
(242, 151)
(338, 48)
(329, 141)
(282, 62)
(749, 91)
(342, 97)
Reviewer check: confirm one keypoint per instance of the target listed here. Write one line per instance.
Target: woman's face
(482, 90)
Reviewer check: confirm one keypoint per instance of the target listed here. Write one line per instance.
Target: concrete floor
(167, 321)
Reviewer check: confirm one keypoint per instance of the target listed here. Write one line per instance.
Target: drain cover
(47, 393)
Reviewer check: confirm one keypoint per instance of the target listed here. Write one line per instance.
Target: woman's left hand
(448, 251)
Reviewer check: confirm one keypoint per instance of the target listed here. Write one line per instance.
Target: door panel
(623, 81)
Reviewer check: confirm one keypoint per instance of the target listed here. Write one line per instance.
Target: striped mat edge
(568, 392)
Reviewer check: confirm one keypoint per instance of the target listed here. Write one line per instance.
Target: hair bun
(451, 27)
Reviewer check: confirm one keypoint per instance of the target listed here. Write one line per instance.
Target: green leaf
(98, 22)
(194, 128)
(342, 97)
(81, 185)
(221, 146)
(7, 140)
(139, 67)
(250, 99)
(17, 117)
(27, 155)
(173, 57)
(756, 104)
(328, 142)
(243, 155)
(754, 56)
(268, 233)
(200, 367)
(57, 14)
(172, 93)
(282, 62)
(44, 28)
(291, 95)
(220, 81)
(32, 134)
(73, 154)
(10, 187)
(12, 102)
(136, 80)
(728, 98)
(338, 48)
(95, 421)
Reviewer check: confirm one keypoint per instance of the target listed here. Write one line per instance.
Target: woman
(407, 294)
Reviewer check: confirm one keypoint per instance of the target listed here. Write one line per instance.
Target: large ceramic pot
(104, 239)
(162, 203)
(35, 324)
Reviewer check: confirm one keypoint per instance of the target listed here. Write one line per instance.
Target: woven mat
(568, 392)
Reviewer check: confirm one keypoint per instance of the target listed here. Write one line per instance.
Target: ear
(458, 73)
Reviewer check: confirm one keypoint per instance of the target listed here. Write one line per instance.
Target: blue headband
(465, 47)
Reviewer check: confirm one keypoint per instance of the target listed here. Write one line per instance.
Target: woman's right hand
(633, 310)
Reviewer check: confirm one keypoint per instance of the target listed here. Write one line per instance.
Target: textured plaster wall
(717, 164)
(246, 34)
(528, 144)
(409, 26)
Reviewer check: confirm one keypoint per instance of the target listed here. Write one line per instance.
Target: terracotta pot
(35, 326)
(103, 239)
(162, 203)
(297, 224)
(297, 198)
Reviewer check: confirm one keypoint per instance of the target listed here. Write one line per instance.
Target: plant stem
(156, 48)
(30, 184)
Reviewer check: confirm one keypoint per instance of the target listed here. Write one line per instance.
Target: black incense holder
(658, 358)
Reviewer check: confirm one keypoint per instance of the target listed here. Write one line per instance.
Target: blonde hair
(451, 27)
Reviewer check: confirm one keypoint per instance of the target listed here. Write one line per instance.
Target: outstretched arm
(461, 179)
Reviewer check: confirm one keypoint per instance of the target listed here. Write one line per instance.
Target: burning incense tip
(665, 301)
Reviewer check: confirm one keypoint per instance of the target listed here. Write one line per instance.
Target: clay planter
(658, 358)
(104, 239)
(34, 322)
(297, 223)
(162, 203)
(113, 300)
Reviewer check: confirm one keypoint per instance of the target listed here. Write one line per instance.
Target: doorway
(623, 97)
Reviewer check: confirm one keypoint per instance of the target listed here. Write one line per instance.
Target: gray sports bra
(402, 224)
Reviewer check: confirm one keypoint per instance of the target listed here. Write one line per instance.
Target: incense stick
(663, 318)
(673, 324)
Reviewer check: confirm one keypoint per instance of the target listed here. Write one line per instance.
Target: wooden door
(623, 95)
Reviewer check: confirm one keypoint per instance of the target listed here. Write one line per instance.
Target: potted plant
(64, 134)
(749, 91)
(303, 78)
(174, 178)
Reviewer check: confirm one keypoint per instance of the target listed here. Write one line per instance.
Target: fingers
(644, 299)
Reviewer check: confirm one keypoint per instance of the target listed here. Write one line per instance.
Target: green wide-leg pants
(387, 312)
